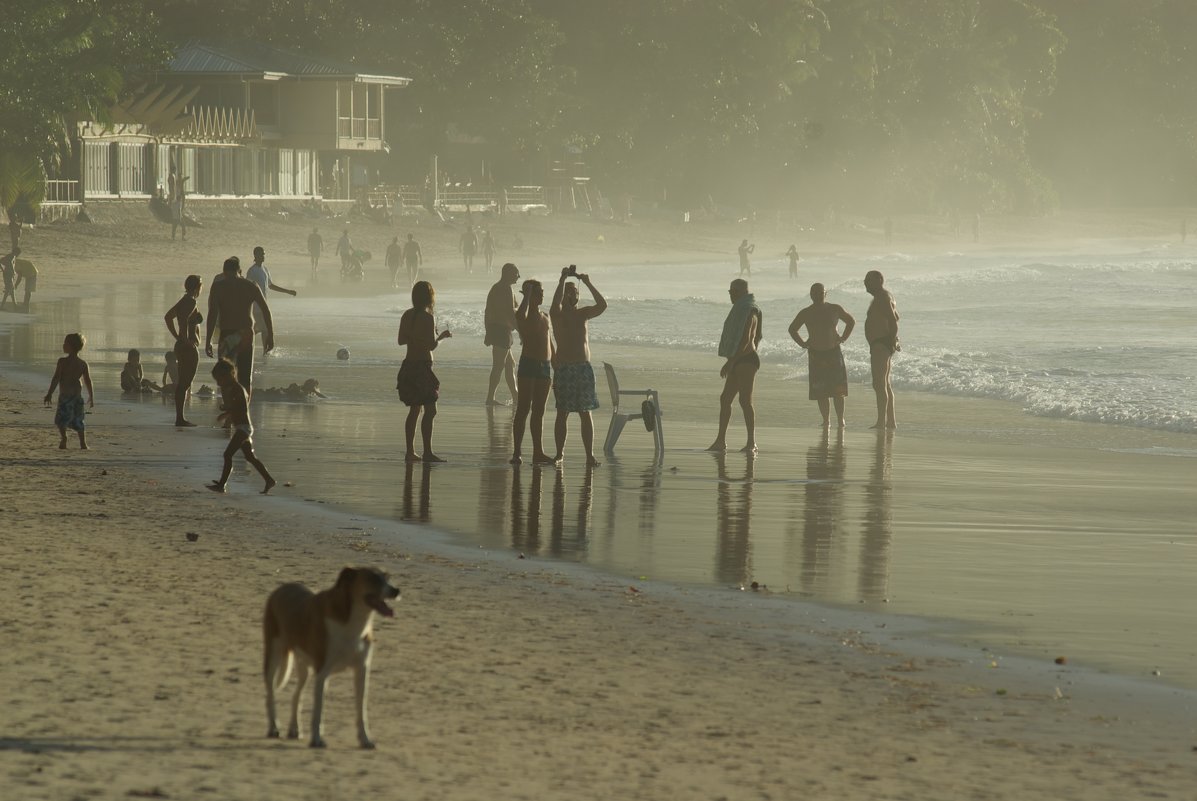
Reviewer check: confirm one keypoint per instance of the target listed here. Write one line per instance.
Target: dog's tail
(275, 674)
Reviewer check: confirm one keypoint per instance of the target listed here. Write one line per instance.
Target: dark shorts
(888, 345)
(417, 384)
(534, 368)
(573, 387)
(499, 336)
(70, 412)
(239, 348)
(828, 375)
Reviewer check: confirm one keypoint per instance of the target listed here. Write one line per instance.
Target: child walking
(70, 377)
(236, 412)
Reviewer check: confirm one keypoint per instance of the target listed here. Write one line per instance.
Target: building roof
(243, 58)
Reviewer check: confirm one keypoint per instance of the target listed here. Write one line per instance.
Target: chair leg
(618, 421)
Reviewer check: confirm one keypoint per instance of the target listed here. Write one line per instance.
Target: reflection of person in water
(558, 544)
(822, 512)
(525, 527)
(877, 528)
(423, 512)
(733, 508)
(493, 494)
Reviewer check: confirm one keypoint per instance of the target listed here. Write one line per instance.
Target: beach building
(233, 120)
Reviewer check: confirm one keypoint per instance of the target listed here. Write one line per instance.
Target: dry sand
(133, 655)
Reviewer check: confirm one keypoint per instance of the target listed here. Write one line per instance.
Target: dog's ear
(346, 577)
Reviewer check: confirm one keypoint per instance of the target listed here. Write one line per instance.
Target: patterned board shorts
(417, 384)
(828, 374)
(69, 412)
(573, 387)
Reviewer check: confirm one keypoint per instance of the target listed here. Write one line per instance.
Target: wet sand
(618, 656)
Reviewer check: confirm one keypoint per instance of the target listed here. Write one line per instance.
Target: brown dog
(326, 632)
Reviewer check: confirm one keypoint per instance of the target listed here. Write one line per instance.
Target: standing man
(14, 229)
(745, 264)
(345, 251)
(469, 246)
(177, 187)
(394, 259)
(315, 250)
(261, 276)
(825, 361)
(573, 377)
(534, 375)
(738, 344)
(881, 331)
(413, 257)
(499, 321)
(231, 300)
(488, 249)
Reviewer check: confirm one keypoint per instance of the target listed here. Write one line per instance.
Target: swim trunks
(534, 368)
(417, 384)
(239, 347)
(573, 387)
(69, 412)
(499, 336)
(248, 430)
(828, 374)
(889, 343)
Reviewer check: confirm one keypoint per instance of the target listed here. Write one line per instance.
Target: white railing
(61, 192)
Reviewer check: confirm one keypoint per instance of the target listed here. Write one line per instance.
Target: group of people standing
(828, 375)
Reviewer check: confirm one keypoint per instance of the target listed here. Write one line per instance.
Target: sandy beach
(591, 657)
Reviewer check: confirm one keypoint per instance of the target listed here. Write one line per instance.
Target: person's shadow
(733, 518)
(877, 527)
(823, 510)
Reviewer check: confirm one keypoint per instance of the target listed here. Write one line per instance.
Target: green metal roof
(255, 58)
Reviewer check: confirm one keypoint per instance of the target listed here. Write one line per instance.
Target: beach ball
(343, 354)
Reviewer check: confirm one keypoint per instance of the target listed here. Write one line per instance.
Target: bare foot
(411, 457)
(592, 462)
(270, 484)
(876, 425)
(216, 486)
(517, 459)
(544, 458)
(749, 448)
(184, 424)
(429, 456)
(842, 424)
(493, 402)
(717, 446)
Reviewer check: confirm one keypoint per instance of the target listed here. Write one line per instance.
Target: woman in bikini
(183, 321)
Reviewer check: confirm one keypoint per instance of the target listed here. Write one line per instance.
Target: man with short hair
(573, 377)
(231, 301)
(738, 344)
(828, 376)
(499, 322)
(394, 259)
(315, 250)
(413, 257)
(261, 276)
(345, 251)
(881, 331)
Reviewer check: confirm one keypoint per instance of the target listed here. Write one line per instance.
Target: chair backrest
(612, 384)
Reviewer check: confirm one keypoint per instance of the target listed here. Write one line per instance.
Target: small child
(170, 373)
(133, 378)
(10, 277)
(236, 411)
(70, 373)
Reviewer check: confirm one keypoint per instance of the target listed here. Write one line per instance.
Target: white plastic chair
(619, 419)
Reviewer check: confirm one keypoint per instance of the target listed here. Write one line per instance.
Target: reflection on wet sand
(877, 526)
(525, 525)
(823, 511)
(493, 478)
(733, 512)
(421, 512)
(562, 540)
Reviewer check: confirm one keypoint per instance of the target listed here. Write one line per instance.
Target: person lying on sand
(308, 390)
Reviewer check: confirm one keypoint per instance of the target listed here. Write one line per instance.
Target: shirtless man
(231, 300)
(881, 331)
(738, 344)
(499, 321)
(573, 377)
(825, 361)
(533, 376)
(413, 257)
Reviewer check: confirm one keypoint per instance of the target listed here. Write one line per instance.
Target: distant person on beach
(177, 187)
(315, 250)
(9, 271)
(413, 257)
(488, 249)
(499, 322)
(230, 301)
(468, 247)
(236, 414)
(27, 273)
(183, 321)
(745, 264)
(14, 230)
(573, 377)
(792, 255)
(881, 332)
(738, 344)
(133, 378)
(70, 376)
(261, 276)
(828, 376)
(394, 259)
(534, 373)
(418, 386)
(345, 250)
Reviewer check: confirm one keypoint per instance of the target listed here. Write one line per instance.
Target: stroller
(354, 269)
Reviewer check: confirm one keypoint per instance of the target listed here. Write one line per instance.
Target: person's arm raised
(600, 303)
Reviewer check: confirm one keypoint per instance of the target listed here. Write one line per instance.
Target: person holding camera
(573, 377)
(534, 374)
